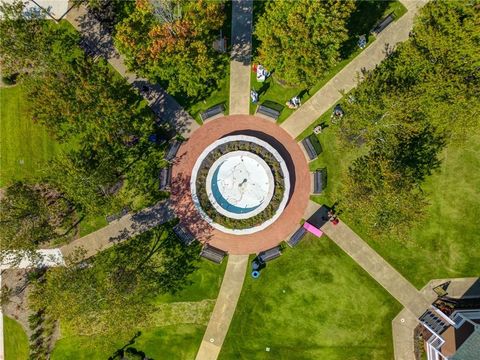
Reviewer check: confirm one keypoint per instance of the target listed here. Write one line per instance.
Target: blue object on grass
(255, 274)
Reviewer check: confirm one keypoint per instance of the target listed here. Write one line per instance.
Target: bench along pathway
(224, 308)
(98, 42)
(346, 79)
(240, 57)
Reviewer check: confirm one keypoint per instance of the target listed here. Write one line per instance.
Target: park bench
(268, 111)
(213, 254)
(319, 180)
(185, 236)
(297, 237)
(119, 215)
(310, 148)
(269, 254)
(165, 177)
(383, 24)
(213, 111)
(173, 149)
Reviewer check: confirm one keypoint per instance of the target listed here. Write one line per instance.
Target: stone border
(265, 167)
(269, 148)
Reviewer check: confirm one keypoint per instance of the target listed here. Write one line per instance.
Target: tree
(175, 50)
(31, 216)
(114, 292)
(84, 103)
(28, 42)
(286, 25)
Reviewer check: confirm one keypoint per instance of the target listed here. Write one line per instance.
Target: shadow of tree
(184, 208)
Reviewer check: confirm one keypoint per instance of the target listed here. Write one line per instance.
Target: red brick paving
(181, 199)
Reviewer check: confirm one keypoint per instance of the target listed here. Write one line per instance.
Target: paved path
(347, 79)
(121, 229)
(224, 308)
(399, 287)
(100, 43)
(241, 56)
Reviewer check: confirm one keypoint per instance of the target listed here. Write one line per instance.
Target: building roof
(454, 338)
(470, 349)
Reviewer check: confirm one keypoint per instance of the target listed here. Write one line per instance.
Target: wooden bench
(269, 254)
(383, 24)
(119, 215)
(213, 254)
(185, 236)
(209, 113)
(296, 237)
(268, 111)
(319, 180)
(173, 149)
(165, 177)
(310, 148)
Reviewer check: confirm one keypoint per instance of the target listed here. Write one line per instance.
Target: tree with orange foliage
(175, 50)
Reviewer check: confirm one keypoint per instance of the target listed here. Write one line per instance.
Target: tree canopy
(423, 96)
(32, 215)
(115, 291)
(172, 44)
(301, 40)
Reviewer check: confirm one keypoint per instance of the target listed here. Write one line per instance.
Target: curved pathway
(289, 149)
(224, 308)
(347, 78)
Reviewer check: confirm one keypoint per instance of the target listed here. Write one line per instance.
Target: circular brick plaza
(299, 176)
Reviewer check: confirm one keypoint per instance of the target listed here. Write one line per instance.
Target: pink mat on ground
(313, 229)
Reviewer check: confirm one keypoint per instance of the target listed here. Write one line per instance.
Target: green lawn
(169, 342)
(16, 341)
(219, 96)
(362, 21)
(176, 338)
(25, 147)
(438, 247)
(314, 302)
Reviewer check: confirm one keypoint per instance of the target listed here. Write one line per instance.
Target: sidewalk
(100, 42)
(399, 287)
(347, 79)
(224, 308)
(241, 56)
(121, 229)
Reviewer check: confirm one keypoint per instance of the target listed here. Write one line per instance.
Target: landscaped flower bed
(255, 220)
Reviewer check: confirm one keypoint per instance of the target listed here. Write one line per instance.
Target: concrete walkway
(121, 229)
(100, 43)
(399, 287)
(241, 56)
(224, 308)
(347, 79)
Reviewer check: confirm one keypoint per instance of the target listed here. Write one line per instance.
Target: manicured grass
(439, 246)
(25, 147)
(169, 342)
(172, 339)
(362, 21)
(219, 96)
(314, 302)
(16, 341)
